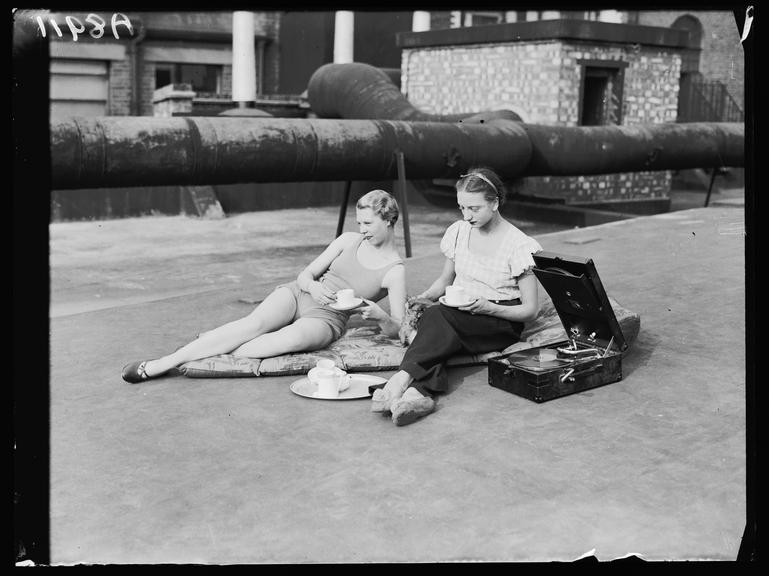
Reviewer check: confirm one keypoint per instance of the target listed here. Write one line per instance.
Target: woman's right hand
(321, 294)
(423, 296)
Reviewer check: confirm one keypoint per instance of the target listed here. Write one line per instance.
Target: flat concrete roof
(242, 471)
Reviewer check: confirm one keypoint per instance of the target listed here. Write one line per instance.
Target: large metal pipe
(144, 151)
(360, 91)
(585, 150)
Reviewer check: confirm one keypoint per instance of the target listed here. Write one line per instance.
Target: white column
(243, 57)
(420, 21)
(344, 36)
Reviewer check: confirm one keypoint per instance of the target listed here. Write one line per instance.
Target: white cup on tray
(329, 379)
(331, 385)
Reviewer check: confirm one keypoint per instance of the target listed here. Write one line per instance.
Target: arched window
(691, 56)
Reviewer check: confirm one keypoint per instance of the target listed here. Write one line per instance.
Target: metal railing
(701, 100)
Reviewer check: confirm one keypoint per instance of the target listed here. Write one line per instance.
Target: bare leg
(273, 313)
(304, 334)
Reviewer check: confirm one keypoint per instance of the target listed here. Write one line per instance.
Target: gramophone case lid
(573, 284)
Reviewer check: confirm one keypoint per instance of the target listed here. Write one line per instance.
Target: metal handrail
(707, 101)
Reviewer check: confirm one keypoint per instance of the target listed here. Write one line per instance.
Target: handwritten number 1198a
(97, 24)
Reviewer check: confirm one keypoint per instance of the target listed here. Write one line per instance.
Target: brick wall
(227, 80)
(119, 88)
(479, 77)
(608, 189)
(722, 56)
(541, 82)
(268, 24)
(147, 74)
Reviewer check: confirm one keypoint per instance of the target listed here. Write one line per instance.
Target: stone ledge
(585, 30)
(173, 91)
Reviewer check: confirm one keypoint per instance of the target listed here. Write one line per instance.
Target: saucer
(359, 387)
(342, 307)
(443, 301)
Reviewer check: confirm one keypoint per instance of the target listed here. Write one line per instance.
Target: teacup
(330, 385)
(345, 297)
(325, 368)
(455, 295)
(316, 373)
(325, 363)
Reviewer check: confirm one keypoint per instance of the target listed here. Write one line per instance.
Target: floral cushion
(363, 348)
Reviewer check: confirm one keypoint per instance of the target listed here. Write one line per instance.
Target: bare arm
(525, 312)
(395, 283)
(307, 277)
(438, 287)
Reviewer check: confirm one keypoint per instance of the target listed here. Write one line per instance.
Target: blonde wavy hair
(382, 203)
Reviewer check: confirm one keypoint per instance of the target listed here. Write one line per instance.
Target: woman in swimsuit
(301, 316)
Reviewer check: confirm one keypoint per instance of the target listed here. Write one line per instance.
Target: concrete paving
(232, 471)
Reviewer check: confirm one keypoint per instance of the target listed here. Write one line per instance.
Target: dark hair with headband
(483, 181)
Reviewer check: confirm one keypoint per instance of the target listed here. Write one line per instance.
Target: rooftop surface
(231, 471)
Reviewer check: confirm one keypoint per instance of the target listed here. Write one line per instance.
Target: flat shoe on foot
(380, 400)
(408, 410)
(136, 372)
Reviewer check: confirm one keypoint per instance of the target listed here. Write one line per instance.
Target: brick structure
(268, 24)
(119, 103)
(722, 57)
(536, 69)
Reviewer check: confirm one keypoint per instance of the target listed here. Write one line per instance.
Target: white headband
(482, 177)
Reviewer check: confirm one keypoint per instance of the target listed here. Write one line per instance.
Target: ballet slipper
(136, 372)
(380, 400)
(411, 407)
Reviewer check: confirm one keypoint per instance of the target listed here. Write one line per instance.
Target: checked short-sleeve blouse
(492, 277)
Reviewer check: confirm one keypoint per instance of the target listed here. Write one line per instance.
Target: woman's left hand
(480, 306)
(373, 311)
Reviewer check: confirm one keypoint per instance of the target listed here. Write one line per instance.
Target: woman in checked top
(491, 260)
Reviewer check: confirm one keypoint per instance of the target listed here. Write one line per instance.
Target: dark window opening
(594, 101)
(601, 94)
(162, 77)
(483, 18)
(203, 78)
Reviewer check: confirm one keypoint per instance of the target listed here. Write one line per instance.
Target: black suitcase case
(592, 355)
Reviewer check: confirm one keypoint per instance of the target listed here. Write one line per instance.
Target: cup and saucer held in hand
(346, 300)
(455, 297)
